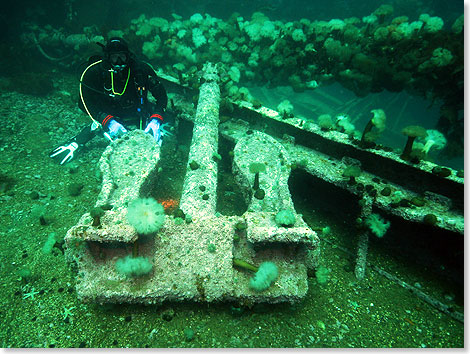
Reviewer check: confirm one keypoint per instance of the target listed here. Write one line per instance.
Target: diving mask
(118, 61)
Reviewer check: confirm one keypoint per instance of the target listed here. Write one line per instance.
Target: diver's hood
(117, 53)
(116, 45)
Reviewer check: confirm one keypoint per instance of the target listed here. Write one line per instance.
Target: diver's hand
(115, 129)
(154, 126)
(64, 152)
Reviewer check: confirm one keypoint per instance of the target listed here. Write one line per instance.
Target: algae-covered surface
(40, 200)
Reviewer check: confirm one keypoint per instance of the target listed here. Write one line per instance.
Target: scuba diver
(114, 93)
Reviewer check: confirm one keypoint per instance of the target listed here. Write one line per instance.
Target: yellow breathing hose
(98, 124)
(81, 92)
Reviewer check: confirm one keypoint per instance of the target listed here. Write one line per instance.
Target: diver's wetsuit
(132, 107)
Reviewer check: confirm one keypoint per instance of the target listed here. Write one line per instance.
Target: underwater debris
(6, 183)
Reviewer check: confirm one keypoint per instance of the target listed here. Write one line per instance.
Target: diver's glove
(154, 125)
(115, 129)
(65, 151)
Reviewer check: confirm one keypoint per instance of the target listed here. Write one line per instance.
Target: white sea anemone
(146, 215)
